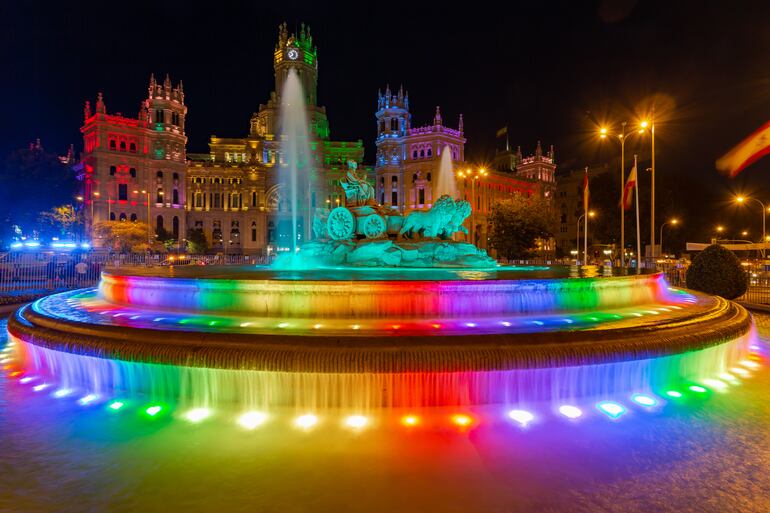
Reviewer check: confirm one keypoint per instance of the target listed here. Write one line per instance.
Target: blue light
(16, 245)
(612, 410)
(32, 244)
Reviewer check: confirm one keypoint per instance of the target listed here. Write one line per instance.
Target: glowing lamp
(571, 412)
(612, 410)
(715, 384)
(644, 400)
(410, 420)
(356, 421)
(197, 415)
(462, 420)
(62, 392)
(115, 405)
(697, 389)
(42, 386)
(523, 417)
(87, 399)
(252, 419)
(306, 421)
(674, 394)
(153, 410)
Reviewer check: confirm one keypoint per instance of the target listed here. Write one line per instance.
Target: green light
(674, 394)
(115, 405)
(153, 410)
(698, 389)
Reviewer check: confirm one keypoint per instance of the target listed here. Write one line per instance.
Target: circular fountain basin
(376, 338)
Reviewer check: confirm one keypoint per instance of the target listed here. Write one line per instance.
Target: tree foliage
(196, 241)
(716, 270)
(517, 222)
(125, 236)
(62, 219)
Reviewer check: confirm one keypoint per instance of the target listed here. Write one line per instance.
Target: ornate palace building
(137, 168)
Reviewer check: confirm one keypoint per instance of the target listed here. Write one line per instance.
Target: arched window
(429, 152)
(394, 124)
(422, 153)
(394, 198)
(133, 218)
(414, 154)
(159, 196)
(113, 170)
(394, 180)
(112, 216)
(175, 227)
(270, 232)
(158, 224)
(113, 145)
(159, 174)
(122, 145)
(253, 231)
(382, 125)
(176, 177)
(132, 147)
(254, 199)
(428, 177)
(159, 116)
(122, 216)
(175, 197)
(132, 171)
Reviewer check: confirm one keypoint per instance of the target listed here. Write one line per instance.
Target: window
(122, 216)
(175, 176)
(429, 152)
(133, 218)
(254, 199)
(132, 147)
(159, 116)
(422, 153)
(158, 224)
(159, 196)
(421, 197)
(414, 177)
(428, 177)
(394, 198)
(122, 145)
(113, 170)
(394, 180)
(112, 216)
(132, 171)
(159, 174)
(175, 197)
(394, 124)
(198, 200)
(122, 191)
(175, 227)
(113, 144)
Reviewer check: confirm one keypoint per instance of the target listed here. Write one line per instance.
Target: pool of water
(701, 452)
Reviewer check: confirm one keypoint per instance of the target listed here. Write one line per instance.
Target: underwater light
(42, 386)
(153, 410)
(245, 324)
(644, 400)
(356, 421)
(306, 421)
(716, 384)
(115, 405)
(506, 324)
(252, 419)
(26, 380)
(62, 392)
(462, 420)
(749, 364)
(471, 324)
(571, 412)
(197, 414)
(740, 372)
(698, 389)
(729, 377)
(410, 420)
(87, 399)
(283, 325)
(523, 417)
(317, 326)
(674, 394)
(612, 410)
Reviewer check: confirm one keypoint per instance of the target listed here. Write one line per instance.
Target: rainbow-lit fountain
(435, 326)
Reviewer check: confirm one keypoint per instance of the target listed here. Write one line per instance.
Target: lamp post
(621, 137)
(671, 222)
(744, 199)
(468, 173)
(149, 227)
(585, 235)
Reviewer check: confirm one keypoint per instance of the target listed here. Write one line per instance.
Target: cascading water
(296, 159)
(446, 182)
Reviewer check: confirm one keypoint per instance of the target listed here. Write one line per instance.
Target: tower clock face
(292, 54)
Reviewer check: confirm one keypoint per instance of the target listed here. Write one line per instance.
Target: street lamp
(621, 137)
(644, 125)
(468, 173)
(671, 222)
(149, 229)
(743, 199)
(585, 234)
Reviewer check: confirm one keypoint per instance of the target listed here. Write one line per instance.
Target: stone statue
(358, 192)
(434, 222)
(455, 224)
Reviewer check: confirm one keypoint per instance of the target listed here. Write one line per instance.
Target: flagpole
(585, 213)
(638, 231)
(622, 188)
(652, 187)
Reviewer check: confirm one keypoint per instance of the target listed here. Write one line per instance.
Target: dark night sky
(538, 67)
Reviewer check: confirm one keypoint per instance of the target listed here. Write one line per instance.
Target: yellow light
(674, 221)
(603, 131)
(462, 420)
(306, 421)
(591, 214)
(252, 419)
(410, 420)
(96, 194)
(644, 124)
(740, 199)
(356, 421)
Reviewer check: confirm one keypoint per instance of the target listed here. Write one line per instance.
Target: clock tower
(296, 51)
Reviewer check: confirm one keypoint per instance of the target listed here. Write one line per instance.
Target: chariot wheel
(374, 226)
(340, 224)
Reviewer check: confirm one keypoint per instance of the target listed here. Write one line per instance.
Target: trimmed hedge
(717, 271)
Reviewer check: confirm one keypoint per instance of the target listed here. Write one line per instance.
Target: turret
(437, 117)
(460, 124)
(101, 108)
(87, 110)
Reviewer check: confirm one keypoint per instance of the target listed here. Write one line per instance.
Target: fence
(37, 273)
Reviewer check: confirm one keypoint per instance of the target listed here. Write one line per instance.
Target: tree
(716, 270)
(124, 236)
(517, 222)
(196, 241)
(62, 219)
(166, 238)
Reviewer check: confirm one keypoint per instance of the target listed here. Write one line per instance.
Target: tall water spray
(295, 151)
(446, 183)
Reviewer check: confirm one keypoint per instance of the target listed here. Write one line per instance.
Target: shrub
(717, 271)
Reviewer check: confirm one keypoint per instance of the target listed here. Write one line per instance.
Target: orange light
(462, 420)
(436, 326)
(410, 420)
(644, 124)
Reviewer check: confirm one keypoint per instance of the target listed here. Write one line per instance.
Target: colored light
(38, 388)
(644, 400)
(740, 372)
(16, 373)
(6, 360)
(87, 399)
(436, 326)
(26, 380)
(698, 389)
(571, 412)
(716, 384)
(462, 420)
(674, 393)
(470, 324)
(355, 327)
(245, 324)
(538, 323)
(197, 414)
(506, 324)
(317, 326)
(62, 392)
(523, 417)
(283, 325)
(153, 410)
(410, 420)
(115, 405)
(729, 377)
(306, 421)
(252, 419)
(612, 410)
(749, 364)
(356, 421)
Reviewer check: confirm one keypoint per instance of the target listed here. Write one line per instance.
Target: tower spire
(538, 150)
(437, 117)
(100, 107)
(87, 110)
(460, 125)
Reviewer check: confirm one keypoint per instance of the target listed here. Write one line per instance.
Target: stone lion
(430, 223)
(455, 224)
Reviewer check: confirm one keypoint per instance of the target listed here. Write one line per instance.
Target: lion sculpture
(443, 219)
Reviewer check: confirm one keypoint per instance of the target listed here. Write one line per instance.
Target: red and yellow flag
(586, 194)
(629, 188)
(748, 151)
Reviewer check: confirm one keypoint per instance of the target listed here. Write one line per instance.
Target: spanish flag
(629, 188)
(748, 151)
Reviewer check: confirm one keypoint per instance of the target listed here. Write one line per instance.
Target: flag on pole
(586, 193)
(748, 151)
(629, 188)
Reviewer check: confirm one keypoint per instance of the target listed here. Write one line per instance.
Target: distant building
(568, 203)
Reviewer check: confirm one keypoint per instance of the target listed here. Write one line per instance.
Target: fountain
(446, 183)
(379, 311)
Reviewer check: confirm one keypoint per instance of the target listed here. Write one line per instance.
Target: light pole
(644, 124)
(622, 136)
(585, 234)
(149, 227)
(481, 172)
(743, 199)
(671, 222)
